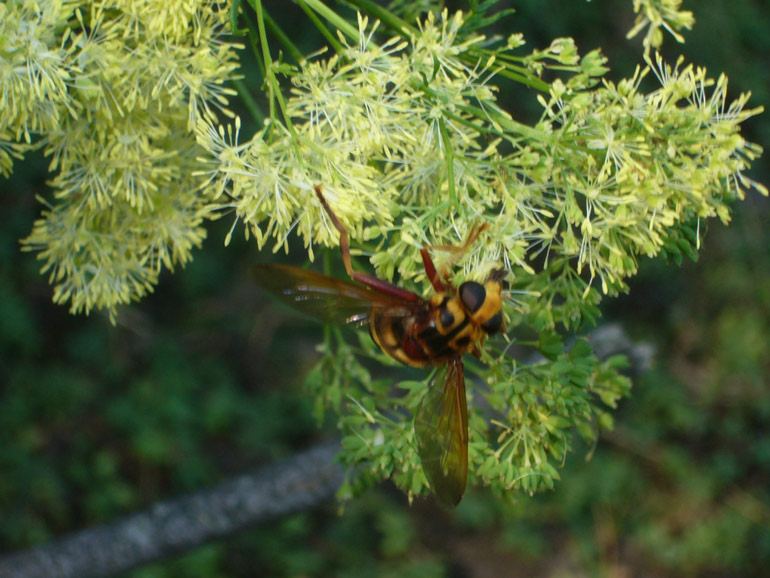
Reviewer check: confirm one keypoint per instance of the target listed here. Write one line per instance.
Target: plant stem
(383, 15)
(331, 16)
(272, 81)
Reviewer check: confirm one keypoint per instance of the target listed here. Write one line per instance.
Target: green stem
(234, 16)
(504, 121)
(331, 16)
(525, 79)
(486, 130)
(506, 65)
(254, 44)
(272, 81)
(383, 15)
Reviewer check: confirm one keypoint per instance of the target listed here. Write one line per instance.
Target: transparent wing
(327, 298)
(441, 428)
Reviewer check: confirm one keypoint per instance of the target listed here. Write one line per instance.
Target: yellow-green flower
(113, 91)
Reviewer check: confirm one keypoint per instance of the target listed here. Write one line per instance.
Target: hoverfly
(414, 331)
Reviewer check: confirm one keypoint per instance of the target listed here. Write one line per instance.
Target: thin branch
(297, 484)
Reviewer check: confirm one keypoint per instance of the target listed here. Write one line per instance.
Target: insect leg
(473, 235)
(430, 269)
(363, 278)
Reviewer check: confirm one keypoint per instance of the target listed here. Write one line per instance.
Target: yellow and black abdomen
(440, 331)
(393, 334)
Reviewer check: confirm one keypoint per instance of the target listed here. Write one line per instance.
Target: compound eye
(472, 295)
(493, 324)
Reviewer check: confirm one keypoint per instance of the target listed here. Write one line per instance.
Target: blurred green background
(200, 382)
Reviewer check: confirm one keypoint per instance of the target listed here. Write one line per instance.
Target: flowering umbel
(111, 90)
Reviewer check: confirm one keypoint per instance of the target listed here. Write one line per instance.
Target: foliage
(412, 145)
(91, 413)
(408, 138)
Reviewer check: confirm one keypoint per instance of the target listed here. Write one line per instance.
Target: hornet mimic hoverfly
(415, 331)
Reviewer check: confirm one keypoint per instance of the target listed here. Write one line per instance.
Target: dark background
(200, 382)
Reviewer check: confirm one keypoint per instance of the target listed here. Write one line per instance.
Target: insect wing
(441, 428)
(324, 297)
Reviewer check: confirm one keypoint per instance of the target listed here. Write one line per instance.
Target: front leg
(440, 281)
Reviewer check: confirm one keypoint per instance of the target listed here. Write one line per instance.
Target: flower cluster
(410, 144)
(657, 16)
(111, 90)
(391, 130)
(633, 168)
(413, 147)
